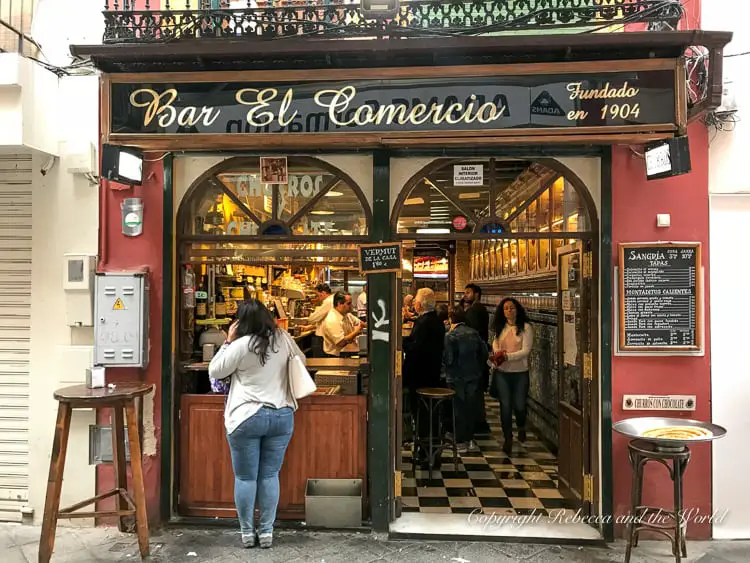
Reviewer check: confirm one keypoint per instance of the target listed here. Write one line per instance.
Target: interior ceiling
(426, 207)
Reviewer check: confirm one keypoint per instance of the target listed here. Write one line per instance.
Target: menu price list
(659, 296)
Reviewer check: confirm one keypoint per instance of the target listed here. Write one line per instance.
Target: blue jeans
(258, 446)
(513, 391)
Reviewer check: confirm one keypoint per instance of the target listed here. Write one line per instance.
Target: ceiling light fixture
(321, 212)
(431, 231)
(333, 193)
(414, 201)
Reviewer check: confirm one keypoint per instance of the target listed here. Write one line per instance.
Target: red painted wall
(120, 253)
(635, 203)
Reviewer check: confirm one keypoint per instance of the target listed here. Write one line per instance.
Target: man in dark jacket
(464, 360)
(423, 360)
(478, 318)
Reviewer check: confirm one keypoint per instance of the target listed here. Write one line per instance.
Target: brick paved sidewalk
(19, 544)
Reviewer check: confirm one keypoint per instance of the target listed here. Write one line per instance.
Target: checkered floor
(524, 483)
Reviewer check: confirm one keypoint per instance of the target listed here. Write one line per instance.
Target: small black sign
(380, 258)
(660, 296)
(545, 104)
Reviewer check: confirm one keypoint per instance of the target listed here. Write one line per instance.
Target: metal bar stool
(434, 398)
(120, 398)
(640, 453)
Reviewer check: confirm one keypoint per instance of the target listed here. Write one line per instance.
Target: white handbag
(301, 383)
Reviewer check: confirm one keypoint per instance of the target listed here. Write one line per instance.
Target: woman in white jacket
(511, 347)
(259, 413)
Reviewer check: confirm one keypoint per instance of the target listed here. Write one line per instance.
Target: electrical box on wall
(121, 320)
(81, 157)
(78, 283)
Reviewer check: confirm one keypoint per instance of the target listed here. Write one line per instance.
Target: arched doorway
(274, 231)
(526, 229)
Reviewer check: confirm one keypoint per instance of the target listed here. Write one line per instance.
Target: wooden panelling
(329, 441)
(206, 478)
(570, 453)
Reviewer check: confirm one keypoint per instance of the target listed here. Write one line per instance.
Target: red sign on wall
(459, 223)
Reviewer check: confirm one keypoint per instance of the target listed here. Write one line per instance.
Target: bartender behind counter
(318, 317)
(340, 327)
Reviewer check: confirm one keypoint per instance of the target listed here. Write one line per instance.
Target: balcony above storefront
(130, 21)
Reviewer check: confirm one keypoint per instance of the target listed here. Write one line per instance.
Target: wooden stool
(81, 397)
(640, 453)
(433, 398)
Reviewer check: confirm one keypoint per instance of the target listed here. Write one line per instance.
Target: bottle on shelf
(201, 300)
(220, 303)
(188, 287)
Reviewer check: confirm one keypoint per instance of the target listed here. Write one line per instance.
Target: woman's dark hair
(457, 314)
(499, 322)
(442, 312)
(254, 320)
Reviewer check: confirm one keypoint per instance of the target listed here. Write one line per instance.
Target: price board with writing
(660, 297)
(380, 258)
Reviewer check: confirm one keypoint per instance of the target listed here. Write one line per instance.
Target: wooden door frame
(587, 395)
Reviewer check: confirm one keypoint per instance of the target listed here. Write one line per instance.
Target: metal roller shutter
(15, 332)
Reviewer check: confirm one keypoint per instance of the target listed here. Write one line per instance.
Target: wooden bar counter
(329, 442)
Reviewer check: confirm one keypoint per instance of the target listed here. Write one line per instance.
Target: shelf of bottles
(556, 210)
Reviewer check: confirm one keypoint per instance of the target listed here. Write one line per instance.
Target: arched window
(317, 201)
(485, 198)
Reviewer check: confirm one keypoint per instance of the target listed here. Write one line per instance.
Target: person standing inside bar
(511, 349)
(340, 327)
(259, 413)
(423, 363)
(362, 305)
(408, 313)
(478, 318)
(464, 360)
(318, 316)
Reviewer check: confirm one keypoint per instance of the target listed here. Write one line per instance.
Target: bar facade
(543, 159)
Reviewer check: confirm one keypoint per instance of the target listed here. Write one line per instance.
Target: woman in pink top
(511, 347)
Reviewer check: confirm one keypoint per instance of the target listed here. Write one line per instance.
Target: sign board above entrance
(380, 258)
(561, 97)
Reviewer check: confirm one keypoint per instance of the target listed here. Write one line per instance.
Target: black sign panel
(660, 296)
(486, 103)
(380, 258)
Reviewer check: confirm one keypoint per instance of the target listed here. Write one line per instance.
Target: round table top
(127, 390)
(436, 392)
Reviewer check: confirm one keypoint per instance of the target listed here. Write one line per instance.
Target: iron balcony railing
(171, 20)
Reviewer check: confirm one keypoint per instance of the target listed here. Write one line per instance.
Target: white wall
(65, 220)
(730, 278)
(728, 150)
(730, 384)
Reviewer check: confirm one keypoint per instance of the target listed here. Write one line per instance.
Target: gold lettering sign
(468, 104)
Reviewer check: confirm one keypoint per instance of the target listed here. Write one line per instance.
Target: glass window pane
(215, 213)
(499, 257)
(246, 185)
(473, 199)
(531, 264)
(558, 192)
(427, 210)
(522, 256)
(514, 257)
(341, 215)
(544, 246)
(305, 182)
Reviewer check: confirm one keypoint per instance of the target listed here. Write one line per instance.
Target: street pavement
(20, 543)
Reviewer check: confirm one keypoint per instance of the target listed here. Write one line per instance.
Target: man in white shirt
(318, 317)
(340, 327)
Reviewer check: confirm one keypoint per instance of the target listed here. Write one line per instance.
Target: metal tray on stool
(635, 427)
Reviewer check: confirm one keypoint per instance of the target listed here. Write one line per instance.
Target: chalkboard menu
(380, 258)
(660, 297)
